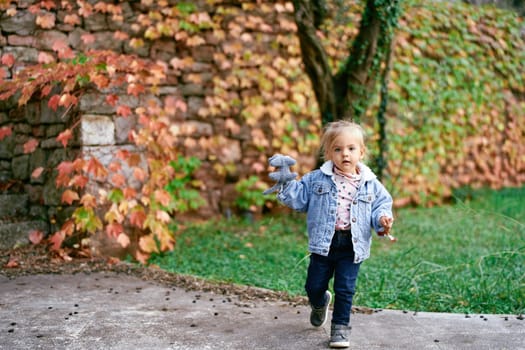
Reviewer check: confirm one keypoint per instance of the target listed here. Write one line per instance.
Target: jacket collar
(366, 173)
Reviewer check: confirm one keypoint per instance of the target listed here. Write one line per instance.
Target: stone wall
(230, 146)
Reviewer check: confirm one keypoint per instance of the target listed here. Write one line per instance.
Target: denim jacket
(316, 194)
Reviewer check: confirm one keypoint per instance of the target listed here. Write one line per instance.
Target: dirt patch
(30, 260)
(37, 259)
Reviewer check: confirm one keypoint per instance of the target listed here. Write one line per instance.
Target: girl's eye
(337, 149)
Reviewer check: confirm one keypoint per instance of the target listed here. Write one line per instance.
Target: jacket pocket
(366, 197)
(320, 188)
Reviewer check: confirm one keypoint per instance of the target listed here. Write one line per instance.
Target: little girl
(343, 201)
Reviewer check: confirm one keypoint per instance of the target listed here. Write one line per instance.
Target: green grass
(468, 257)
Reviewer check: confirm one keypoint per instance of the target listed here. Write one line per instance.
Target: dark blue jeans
(338, 264)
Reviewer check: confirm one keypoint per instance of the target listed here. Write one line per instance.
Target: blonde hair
(334, 129)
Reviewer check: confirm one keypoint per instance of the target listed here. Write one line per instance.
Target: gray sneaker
(319, 315)
(339, 336)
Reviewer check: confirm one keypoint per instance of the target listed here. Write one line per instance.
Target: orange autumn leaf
(119, 35)
(163, 197)
(100, 80)
(56, 240)
(67, 100)
(135, 89)
(118, 180)
(162, 216)
(96, 168)
(88, 201)
(114, 166)
(137, 218)
(69, 196)
(133, 159)
(123, 240)
(141, 257)
(139, 174)
(46, 20)
(129, 193)
(30, 145)
(12, 263)
(123, 154)
(148, 244)
(72, 19)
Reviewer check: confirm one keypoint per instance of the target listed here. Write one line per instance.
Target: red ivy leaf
(118, 180)
(87, 38)
(79, 181)
(37, 172)
(135, 89)
(112, 99)
(64, 137)
(8, 59)
(119, 35)
(65, 168)
(36, 236)
(123, 110)
(53, 102)
(67, 100)
(56, 240)
(69, 196)
(5, 131)
(46, 90)
(30, 146)
(11, 263)
(114, 229)
(96, 168)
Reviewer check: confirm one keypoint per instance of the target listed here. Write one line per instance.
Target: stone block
(97, 130)
(20, 167)
(17, 233)
(123, 125)
(13, 205)
(22, 23)
(7, 147)
(44, 40)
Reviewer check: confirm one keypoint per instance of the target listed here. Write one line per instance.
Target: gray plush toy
(283, 175)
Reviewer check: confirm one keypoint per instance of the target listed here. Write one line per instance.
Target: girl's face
(347, 150)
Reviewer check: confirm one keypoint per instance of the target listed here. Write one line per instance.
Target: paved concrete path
(117, 311)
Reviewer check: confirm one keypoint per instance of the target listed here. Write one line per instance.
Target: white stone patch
(97, 130)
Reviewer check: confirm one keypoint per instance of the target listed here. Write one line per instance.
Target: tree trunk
(345, 95)
(307, 18)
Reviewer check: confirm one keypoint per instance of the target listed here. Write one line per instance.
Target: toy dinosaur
(283, 175)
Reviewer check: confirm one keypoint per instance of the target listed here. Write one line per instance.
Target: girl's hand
(386, 223)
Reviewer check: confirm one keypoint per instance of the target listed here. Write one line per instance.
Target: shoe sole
(340, 345)
(327, 309)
